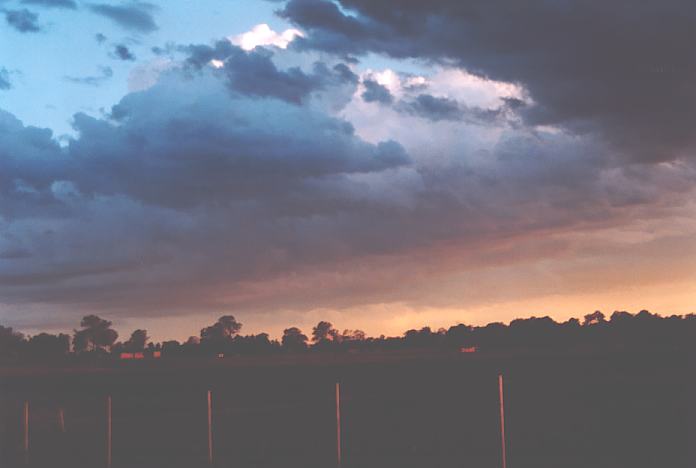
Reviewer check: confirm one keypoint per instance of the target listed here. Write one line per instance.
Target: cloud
(5, 79)
(69, 4)
(256, 187)
(123, 53)
(263, 35)
(105, 73)
(100, 38)
(145, 75)
(608, 69)
(441, 108)
(435, 108)
(30, 161)
(134, 16)
(186, 154)
(255, 74)
(375, 92)
(240, 151)
(23, 20)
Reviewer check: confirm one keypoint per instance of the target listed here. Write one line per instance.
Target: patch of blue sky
(66, 46)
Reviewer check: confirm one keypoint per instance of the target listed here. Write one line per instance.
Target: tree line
(622, 330)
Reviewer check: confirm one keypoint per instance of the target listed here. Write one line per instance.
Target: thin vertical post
(25, 427)
(338, 423)
(210, 427)
(108, 431)
(502, 418)
(61, 419)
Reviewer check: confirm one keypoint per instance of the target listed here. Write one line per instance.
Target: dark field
(432, 411)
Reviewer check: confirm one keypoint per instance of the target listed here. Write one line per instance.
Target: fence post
(108, 431)
(502, 419)
(210, 427)
(25, 424)
(338, 424)
(61, 419)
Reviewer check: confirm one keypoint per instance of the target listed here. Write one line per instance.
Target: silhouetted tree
(10, 342)
(420, 338)
(532, 332)
(45, 345)
(294, 340)
(171, 348)
(217, 338)
(81, 341)
(137, 341)
(594, 318)
(623, 332)
(226, 327)
(253, 344)
(96, 335)
(353, 335)
(324, 332)
(461, 336)
(192, 347)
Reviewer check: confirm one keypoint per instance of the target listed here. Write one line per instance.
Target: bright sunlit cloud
(263, 35)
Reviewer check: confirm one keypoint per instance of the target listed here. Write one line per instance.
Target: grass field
(397, 411)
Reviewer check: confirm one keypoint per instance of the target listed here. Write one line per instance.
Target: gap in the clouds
(40, 96)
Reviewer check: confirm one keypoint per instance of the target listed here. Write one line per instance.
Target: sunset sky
(380, 164)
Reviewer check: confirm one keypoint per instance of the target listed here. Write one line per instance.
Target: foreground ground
(415, 410)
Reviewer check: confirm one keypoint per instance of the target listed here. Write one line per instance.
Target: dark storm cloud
(205, 184)
(375, 92)
(622, 69)
(435, 108)
(255, 74)
(30, 162)
(105, 73)
(70, 4)
(123, 53)
(5, 79)
(242, 150)
(345, 74)
(187, 159)
(132, 16)
(440, 108)
(23, 20)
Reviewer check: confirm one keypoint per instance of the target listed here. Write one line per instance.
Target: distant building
(140, 355)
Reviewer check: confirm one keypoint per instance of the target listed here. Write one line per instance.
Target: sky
(380, 164)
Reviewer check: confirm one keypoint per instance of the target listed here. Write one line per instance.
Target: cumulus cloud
(375, 92)
(22, 20)
(579, 71)
(254, 73)
(145, 75)
(259, 180)
(241, 145)
(135, 16)
(254, 186)
(263, 35)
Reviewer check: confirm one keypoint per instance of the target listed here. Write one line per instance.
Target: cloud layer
(620, 69)
(281, 174)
